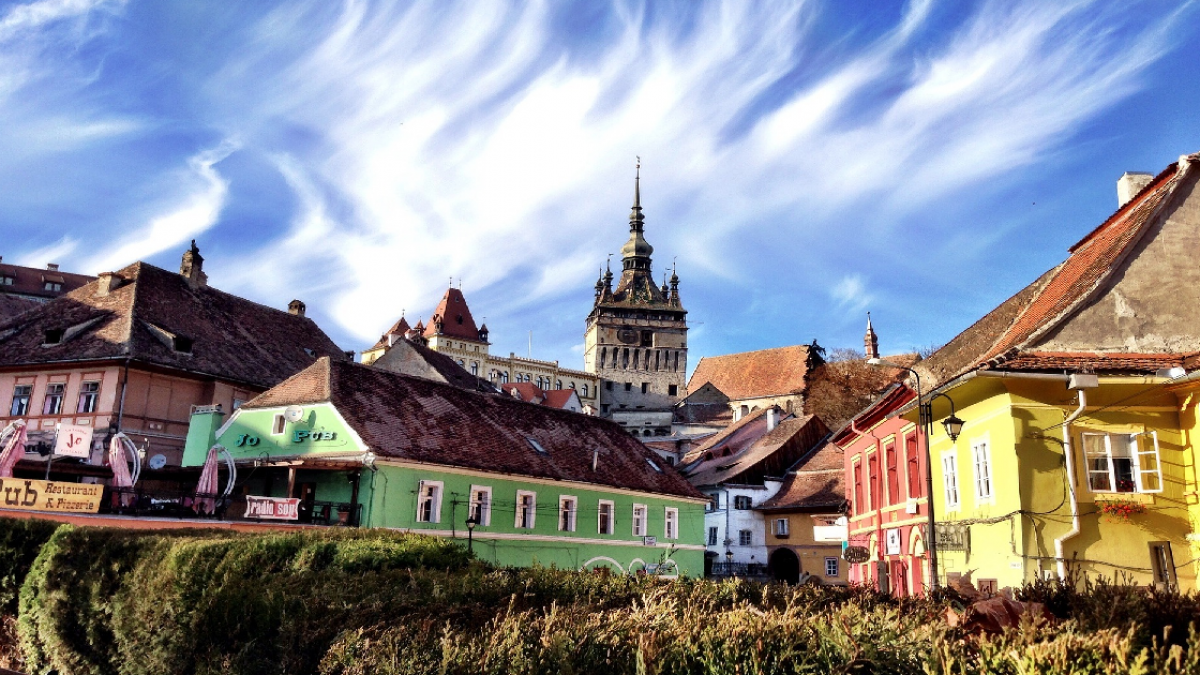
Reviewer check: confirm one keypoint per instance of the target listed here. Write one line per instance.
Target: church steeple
(870, 340)
(635, 254)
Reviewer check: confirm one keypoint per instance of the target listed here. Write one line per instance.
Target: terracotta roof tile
(1097, 362)
(12, 305)
(456, 319)
(751, 453)
(221, 335)
(410, 418)
(766, 372)
(30, 281)
(817, 483)
(413, 357)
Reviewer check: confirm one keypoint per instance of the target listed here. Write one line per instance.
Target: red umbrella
(207, 488)
(118, 450)
(14, 447)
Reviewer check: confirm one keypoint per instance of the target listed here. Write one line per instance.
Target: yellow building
(1077, 456)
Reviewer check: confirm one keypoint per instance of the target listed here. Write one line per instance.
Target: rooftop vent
(106, 283)
(53, 267)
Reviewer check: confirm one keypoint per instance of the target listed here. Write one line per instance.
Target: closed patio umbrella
(13, 440)
(118, 458)
(206, 489)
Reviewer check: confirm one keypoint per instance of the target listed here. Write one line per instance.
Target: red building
(885, 485)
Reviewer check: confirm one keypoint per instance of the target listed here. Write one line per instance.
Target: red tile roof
(231, 338)
(748, 453)
(31, 281)
(526, 391)
(455, 317)
(413, 357)
(1013, 328)
(767, 372)
(409, 418)
(12, 305)
(816, 483)
(558, 398)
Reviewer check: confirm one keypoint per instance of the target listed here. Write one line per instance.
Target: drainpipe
(1080, 383)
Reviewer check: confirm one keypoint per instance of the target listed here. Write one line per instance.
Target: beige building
(636, 339)
(452, 331)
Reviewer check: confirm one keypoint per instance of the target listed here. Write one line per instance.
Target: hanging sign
(41, 495)
(952, 537)
(856, 554)
(73, 441)
(272, 508)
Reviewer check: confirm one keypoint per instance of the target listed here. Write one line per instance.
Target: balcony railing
(187, 504)
(731, 569)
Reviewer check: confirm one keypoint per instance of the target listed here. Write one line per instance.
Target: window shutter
(1149, 467)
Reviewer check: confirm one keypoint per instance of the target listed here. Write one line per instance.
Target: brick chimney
(1130, 184)
(296, 307)
(53, 267)
(192, 267)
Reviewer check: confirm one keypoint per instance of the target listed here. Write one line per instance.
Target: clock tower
(636, 338)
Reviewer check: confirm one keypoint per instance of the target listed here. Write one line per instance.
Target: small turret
(870, 340)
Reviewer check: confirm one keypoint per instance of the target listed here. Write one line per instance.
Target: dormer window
(7, 280)
(52, 286)
(54, 336)
(181, 344)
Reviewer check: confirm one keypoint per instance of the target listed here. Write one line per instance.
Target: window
(950, 479)
(181, 344)
(714, 502)
(474, 367)
(585, 390)
(6, 280)
(608, 385)
(52, 286)
(628, 386)
(238, 402)
(893, 473)
(914, 472)
(741, 503)
(781, 527)
(831, 567)
(639, 520)
(606, 523)
(873, 486)
(429, 501)
(1123, 462)
(860, 506)
(537, 447)
(645, 387)
(568, 508)
(745, 538)
(671, 528)
(712, 536)
(20, 402)
(672, 390)
(480, 507)
(526, 510)
(277, 425)
(504, 377)
(1163, 564)
(558, 384)
(654, 465)
(54, 398)
(983, 471)
(88, 393)
(53, 336)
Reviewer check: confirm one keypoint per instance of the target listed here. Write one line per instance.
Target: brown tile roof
(1016, 325)
(1097, 362)
(419, 420)
(31, 281)
(751, 453)
(766, 372)
(12, 305)
(816, 483)
(396, 332)
(413, 357)
(455, 317)
(231, 338)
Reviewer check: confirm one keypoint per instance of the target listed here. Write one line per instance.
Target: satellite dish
(293, 413)
(158, 461)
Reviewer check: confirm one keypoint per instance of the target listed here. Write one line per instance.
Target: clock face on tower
(627, 336)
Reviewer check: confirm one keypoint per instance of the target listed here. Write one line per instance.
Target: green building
(343, 443)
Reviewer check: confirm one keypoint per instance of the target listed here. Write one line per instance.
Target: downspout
(1068, 456)
(121, 404)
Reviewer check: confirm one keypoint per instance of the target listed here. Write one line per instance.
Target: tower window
(645, 387)
(672, 390)
(628, 386)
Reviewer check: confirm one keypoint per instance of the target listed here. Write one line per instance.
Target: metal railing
(731, 569)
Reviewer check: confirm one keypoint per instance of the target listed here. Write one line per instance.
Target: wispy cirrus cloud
(494, 142)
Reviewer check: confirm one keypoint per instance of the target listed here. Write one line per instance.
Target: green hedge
(20, 541)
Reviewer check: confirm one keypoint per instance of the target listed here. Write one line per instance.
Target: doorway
(784, 566)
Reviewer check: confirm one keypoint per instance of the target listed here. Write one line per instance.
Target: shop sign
(272, 508)
(301, 436)
(856, 554)
(42, 495)
(650, 541)
(892, 542)
(73, 441)
(953, 537)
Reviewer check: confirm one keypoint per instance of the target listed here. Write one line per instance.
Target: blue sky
(803, 162)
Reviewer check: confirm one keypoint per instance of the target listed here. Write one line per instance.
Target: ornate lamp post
(472, 521)
(953, 427)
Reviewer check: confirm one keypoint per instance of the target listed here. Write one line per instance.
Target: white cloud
(53, 253)
(850, 294)
(189, 215)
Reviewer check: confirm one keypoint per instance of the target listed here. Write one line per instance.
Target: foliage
(20, 541)
(844, 386)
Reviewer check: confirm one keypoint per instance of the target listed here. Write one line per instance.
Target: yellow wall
(1012, 536)
(800, 540)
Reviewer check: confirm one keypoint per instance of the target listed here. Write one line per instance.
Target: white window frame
(781, 527)
(671, 523)
(612, 516)
(278, 425)
(832, 567)
(641, 520)
(484, 505)
(950, 480)
(1139, 458)
(714, 535)
(985, 490)
(742, 499)
(521, 494)
(429, 491)
(746, 535)
(568, 505)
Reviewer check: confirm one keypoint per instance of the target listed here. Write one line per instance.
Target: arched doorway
(784, 566)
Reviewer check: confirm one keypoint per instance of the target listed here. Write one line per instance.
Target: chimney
(772, 419)
(53, 267)
(192, 267)
(106, 283)
(296, 307)
(1130, 184)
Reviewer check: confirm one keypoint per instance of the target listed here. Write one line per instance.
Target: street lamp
(954, 427)
(472, 521)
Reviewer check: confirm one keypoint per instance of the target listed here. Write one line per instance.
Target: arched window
(585, 390)
(558, 384)
(504, 377)
(474, 368)
(462, 363)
